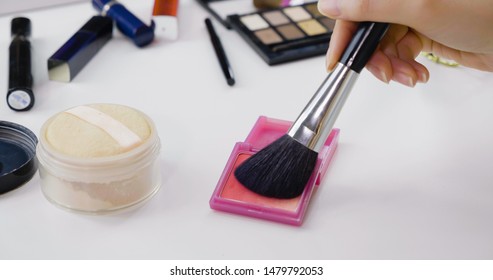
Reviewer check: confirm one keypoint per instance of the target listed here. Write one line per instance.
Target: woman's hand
(456, 30)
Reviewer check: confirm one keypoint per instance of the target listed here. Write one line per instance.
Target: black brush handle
(313, 125)
(363, 44)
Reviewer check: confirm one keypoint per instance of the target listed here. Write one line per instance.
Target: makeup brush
(282, 169)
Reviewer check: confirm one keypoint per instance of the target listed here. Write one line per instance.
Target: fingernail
(423, 78)
(404, 79)
(329, 65)
(378, 73)
(329, 61)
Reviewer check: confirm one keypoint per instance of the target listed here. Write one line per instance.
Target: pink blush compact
(231, 196)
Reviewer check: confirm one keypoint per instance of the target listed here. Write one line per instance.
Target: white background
(412, 177)
(13, 6)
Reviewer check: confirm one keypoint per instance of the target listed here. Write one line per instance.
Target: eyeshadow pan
(275, 18)
(254, 22)
(312, 27)
(297, 13)
(328, 22)
(313, 9)
(268, 36)
(290, 31)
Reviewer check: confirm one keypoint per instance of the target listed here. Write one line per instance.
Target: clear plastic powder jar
(99, 158)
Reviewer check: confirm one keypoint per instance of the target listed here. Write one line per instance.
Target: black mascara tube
(20, 96)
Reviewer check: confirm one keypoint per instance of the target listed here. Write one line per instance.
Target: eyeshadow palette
(285, 34)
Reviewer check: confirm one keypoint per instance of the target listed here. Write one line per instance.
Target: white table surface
(412, 177)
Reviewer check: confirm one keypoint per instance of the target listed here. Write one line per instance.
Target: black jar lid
(18, 161)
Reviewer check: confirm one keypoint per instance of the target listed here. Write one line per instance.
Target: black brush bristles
(280, 170)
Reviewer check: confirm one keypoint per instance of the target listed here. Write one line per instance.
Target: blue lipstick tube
(74, 54)
(126, 22)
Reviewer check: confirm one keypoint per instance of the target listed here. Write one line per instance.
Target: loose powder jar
(99, 158)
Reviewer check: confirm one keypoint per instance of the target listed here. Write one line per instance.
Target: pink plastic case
(231, 196)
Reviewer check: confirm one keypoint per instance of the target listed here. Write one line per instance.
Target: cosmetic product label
(19, 100)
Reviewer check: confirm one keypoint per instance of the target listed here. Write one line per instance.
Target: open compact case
(231, 196)
(279, 31)
(18, 162)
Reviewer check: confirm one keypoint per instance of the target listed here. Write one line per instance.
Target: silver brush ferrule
(313, 125)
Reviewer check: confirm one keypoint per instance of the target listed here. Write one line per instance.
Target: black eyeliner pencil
(221, 55)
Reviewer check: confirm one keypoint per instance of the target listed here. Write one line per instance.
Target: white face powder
(101, 197)
(99, 158)
(97, 130)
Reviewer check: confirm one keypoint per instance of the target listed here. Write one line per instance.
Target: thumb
(401, 12)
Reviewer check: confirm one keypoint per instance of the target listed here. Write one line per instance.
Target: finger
(393, 36)
(379, 65)
(341, 35)
(402, 12)
(401, 46)
(403, 71)
(407, 72)
(421, 71)
(408, 48)
(386, 68)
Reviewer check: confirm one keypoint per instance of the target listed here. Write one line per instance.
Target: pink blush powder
(233, 190)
